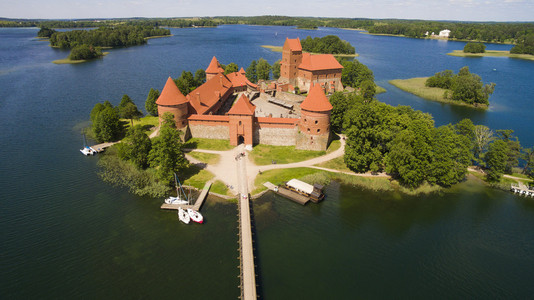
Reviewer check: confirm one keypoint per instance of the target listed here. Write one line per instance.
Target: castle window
(239, 123)
(318, 130)
(316, 121)
(308, 130)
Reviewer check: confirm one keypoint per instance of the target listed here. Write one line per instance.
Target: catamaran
(195, 216)
(86, 149)
(183, 216)
(181, 198)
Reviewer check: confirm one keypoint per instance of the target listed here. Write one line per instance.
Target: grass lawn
(278, 176)
(493, 53)
(337, 164)
(147, 122)
(208, 158)
(220, 188)
(199, 178)
(334, 145)
(265, 154)
(208, 144)
(417, 87)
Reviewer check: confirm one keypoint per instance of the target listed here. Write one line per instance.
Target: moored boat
(176, 201)
(183, 216)
(195, 216)
(88, 151)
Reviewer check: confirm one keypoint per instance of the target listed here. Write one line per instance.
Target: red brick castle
(206, 111)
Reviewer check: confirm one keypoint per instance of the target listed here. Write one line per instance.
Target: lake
(66, 234)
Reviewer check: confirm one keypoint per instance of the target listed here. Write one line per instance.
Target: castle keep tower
(173, 101)
(213, 69)
(314, 123)
(291, 59)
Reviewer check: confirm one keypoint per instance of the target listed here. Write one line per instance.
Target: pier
(522, 189)
(246, 250)
(198, 204)
(101, 147)
(296, 197)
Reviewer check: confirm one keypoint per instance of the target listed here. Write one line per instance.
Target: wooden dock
(291, 195)
(101, 147)
(522, 190)
(198, 204)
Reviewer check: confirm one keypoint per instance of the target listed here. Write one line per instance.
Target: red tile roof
(171, 95)
(207, 95)
(314, 62)
(316, 100)
(239, 79)
(214, 67)
(242, 107)
(294, 44)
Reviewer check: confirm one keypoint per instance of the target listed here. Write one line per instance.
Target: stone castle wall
(275, 136)
(312, 142)
(209, 130)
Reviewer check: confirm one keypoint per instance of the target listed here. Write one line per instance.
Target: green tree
(410, 153)
(98, 108)
(340, 106)
(368, 90)
(251, 72)
(354, 73)
(263, 69)
(166, 155)
(231, 68)
(150, 103)
(276, 70)
(483, 136)
(450, 157)
(474, 48)
(84, 51)
(528, 157)
(130, 111)
(135, 147)
(496, 158)
(186, 83)
(513, 149)
(106, 125)
(200, 77)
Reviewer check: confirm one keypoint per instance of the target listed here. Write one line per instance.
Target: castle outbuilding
(206, 113)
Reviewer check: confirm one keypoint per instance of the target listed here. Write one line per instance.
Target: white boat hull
(195, 216)
(183, 216)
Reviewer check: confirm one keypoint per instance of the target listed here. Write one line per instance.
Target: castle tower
(291, 59)
(314, 123)
(173, 101)
(213, 69)
(241, 121)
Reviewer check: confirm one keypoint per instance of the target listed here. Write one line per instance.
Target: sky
(460, 10)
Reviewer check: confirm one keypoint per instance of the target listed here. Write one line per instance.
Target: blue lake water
(66, 234)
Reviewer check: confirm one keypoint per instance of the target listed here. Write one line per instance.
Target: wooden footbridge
(198, 204)
(246, 250)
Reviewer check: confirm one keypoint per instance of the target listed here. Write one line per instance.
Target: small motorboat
(195, 216)
(176, 201)
(183, 216)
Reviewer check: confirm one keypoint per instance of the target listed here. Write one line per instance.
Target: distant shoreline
(416, 86)
(491, 53)
(279, 49)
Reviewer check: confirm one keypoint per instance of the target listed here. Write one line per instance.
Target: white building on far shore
(444, 33)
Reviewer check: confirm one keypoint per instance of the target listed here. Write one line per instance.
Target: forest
(330, 44)
(107, 36)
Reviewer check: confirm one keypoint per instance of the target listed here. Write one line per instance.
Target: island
(491, 53)
(463, 88)
(329, 44)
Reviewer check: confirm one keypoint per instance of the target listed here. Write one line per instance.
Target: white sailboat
(183, 216)
(86, 149)
(181, 198)
(195, 216)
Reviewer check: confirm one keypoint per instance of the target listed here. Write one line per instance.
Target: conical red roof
(171, 95)
(214, 67)
(242, 71)
(316, 100)
(242, 107)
